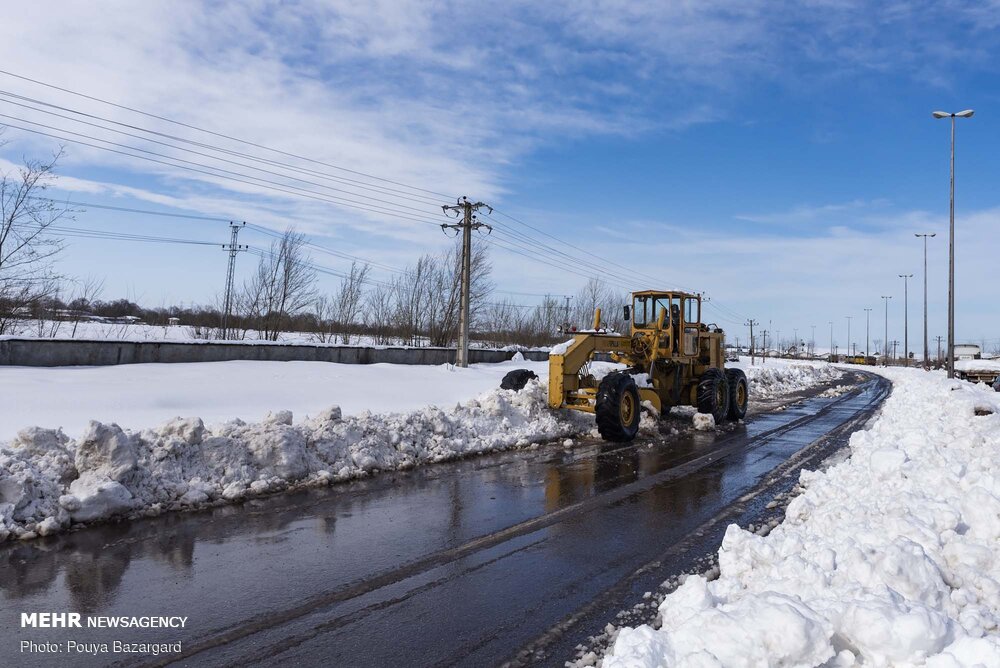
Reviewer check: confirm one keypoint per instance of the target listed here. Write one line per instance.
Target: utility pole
(848, 333)
(751, 323)
(894, 344)
(763, 357)
(831, 341)
(812, 342)
(567, 298)
(927, 363)
(233, 247)
(939, 349)
(906, 318)
(466, 210)
(885, 341)
(868, 322)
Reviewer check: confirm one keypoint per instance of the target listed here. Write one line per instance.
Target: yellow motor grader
(671, 359)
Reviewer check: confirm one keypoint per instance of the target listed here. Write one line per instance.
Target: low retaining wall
(62, 352)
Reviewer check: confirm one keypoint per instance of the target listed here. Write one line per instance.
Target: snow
(977, 365)
(358, 420)
(138, 395)
(891, 557)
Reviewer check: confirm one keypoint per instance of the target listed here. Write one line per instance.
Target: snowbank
(889, 558)
(49, 482)
(136, 396)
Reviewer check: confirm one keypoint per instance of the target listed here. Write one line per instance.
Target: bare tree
(594, 295)
(27, 247)
(283, 285)
(88, 291)
(379, 311)
(349, 299)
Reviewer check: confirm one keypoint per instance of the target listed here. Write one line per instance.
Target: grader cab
(671, 359)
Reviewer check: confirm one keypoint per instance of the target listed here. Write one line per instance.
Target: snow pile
(889, 558)
(704, 421)
(49, 482)
(771, 380)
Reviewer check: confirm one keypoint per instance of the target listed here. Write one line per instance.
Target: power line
(218, 134)
(261, 183)
(402, 194)
(202, 154)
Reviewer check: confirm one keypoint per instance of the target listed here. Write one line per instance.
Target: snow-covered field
(354, 420)
(891, 557)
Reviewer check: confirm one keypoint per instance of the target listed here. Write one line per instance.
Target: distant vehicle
(996, 384)
(968, 351)
(860, 359)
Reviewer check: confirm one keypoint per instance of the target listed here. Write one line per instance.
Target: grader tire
(713, 394)
(517, 379)
(739, 393)
(617, 408)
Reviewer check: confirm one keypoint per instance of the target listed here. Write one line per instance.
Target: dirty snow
(52, 479)
(891, 557)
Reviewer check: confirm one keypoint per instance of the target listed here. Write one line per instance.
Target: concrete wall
(60, 352)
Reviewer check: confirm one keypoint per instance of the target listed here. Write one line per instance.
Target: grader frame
(682, 360)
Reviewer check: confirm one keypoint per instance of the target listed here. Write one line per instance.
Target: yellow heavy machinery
(671, 359)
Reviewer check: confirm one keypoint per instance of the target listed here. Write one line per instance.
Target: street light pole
(951, 239)
(906, 318)
(868, 323)
(927, 362)
(885, 342)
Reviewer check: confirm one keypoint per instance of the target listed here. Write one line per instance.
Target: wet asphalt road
(512, 558)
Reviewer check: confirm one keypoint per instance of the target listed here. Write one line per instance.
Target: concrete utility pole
(567, 298)
(868, 326)
(763, 357)
(906, 318)
(939, 349)
(927, 362)
(233, 248)
(951, 238)
(466, 210)
(812, 341)
(885, 341)
(751, 324)
(831, 341)
(848, 333)
(894, 344)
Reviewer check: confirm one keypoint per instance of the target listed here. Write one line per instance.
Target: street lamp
(885, 342)
(906, 318)
(951, 239)
(927, 362)
(868, 325)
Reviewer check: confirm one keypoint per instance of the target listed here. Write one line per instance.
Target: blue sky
(778, 156)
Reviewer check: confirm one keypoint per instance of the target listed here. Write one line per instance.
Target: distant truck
(968, 351)
(977, 370)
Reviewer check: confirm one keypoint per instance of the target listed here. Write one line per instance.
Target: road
(512, 558)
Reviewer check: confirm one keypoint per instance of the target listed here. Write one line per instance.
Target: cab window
(692, 310)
